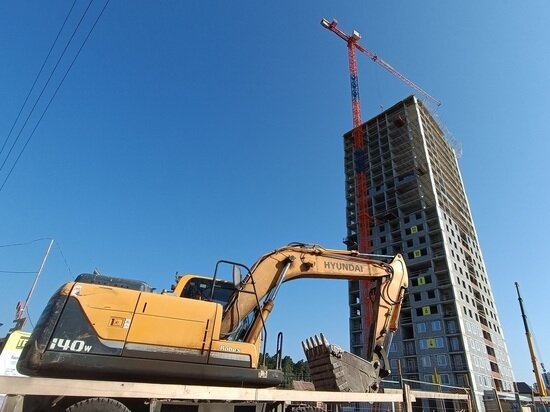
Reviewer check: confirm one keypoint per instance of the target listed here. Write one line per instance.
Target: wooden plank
(407, 402)
(74, 387)
(439, 395)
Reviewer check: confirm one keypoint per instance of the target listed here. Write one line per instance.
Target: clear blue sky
(192, 131)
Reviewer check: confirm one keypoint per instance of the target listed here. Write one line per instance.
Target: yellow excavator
(202, 331)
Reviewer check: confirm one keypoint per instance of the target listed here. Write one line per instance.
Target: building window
(409, 348)
(426, 361)
(421, 280)
(442, 360)
(451, 326)
(455, 343)
(411, 364)
(436, 325)
(444, 379)
(421, 327)
(417, 253)
(426, 310)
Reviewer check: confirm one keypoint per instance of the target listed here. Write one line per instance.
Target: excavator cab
(201, 288)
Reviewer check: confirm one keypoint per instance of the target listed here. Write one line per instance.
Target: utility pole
(20, 318)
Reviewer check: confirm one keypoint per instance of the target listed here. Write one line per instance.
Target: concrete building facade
(449, 328)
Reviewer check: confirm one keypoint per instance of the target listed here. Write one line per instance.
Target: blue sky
(188, 132)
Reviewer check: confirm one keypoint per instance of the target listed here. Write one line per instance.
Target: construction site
(424, 330)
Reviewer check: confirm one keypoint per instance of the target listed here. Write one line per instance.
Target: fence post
(407, 404)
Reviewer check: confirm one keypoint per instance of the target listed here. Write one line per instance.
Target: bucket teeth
(315, 346)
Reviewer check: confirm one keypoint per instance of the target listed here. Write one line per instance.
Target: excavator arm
(256, 293)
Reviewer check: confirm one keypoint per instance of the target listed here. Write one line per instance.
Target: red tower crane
(360, 165)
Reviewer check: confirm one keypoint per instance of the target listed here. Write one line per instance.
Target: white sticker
(75, 291)
(126, 323)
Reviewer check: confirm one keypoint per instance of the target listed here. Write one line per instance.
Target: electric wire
(58, 247)
(16, 272)
(56, 244)
(37, 77)
(26, 243)
(53, 96)
(45, 86)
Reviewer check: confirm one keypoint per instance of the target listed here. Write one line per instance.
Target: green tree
(292, 371)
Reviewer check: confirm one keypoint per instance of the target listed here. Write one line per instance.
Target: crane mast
(540, 382)
(368, 308)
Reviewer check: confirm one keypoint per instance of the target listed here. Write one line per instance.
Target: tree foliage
(293, 371)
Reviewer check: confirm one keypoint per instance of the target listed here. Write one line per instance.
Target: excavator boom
(259, 288)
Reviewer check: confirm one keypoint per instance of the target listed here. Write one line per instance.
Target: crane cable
(55, 92)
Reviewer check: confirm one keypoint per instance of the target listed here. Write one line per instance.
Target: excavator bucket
(333, 369)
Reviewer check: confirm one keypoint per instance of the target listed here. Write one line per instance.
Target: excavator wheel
(98, 405)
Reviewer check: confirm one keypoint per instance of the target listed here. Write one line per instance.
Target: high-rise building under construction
(449, 331)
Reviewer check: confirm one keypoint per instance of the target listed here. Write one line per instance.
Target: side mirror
(237, 277)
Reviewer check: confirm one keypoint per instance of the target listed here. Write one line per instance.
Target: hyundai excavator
(201, 331)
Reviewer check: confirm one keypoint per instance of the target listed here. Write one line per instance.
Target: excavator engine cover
(333, 369)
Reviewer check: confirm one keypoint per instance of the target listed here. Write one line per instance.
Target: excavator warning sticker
(120, 322)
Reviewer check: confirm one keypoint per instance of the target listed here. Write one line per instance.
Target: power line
(36, 78)
(64, 258)
(15, 272)
(56, 243)
(54, 94)
(26, 243)
(46, 85)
